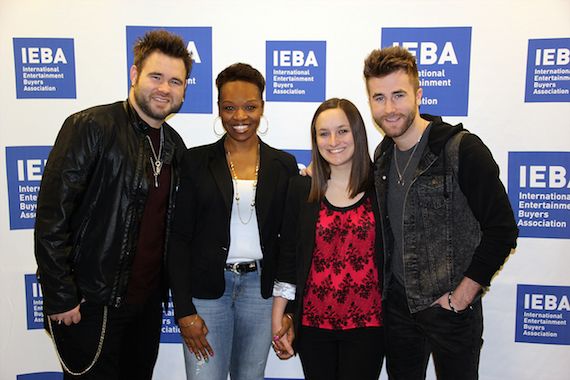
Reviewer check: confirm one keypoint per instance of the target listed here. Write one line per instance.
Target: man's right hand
(69, 317)
(308, 171)
(193, 330)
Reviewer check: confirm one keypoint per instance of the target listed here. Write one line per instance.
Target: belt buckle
(243, 267)
(235, 268)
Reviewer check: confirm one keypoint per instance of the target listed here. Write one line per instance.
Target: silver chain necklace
(156, 161)
(234, 176)
(401, 181)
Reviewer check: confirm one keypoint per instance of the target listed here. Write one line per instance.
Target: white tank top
(244, 238)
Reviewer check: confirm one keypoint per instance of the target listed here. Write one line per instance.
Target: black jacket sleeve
(63, 186)
(488, 200)
(179, 249)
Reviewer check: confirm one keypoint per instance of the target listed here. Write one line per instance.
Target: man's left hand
(461, 297)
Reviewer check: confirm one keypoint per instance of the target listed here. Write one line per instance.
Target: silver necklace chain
(234, 176)
(401, 181)
(157, 162)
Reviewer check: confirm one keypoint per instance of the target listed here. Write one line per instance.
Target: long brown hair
(361, 165)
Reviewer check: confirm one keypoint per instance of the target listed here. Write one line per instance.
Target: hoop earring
(218, 135)
(266, 128)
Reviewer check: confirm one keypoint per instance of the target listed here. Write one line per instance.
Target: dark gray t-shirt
(397, 195)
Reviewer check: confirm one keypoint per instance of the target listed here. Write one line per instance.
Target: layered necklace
(156, 162)
(235, 178)
(401, 181)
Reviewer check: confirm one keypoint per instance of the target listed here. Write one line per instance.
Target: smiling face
(158, 89)
(334, 137)
(395, 104)
(240, 108)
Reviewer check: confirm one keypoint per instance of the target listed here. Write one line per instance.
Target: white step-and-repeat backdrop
(500, 67)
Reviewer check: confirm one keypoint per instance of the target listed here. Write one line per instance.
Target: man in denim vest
(447, 226)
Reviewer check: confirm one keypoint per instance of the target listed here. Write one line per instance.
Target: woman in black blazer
(330, 271)
(224, 245)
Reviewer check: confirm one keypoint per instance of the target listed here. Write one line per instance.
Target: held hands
(283, 337)
(193, 330)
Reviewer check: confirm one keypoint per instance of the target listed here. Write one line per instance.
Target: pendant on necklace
(156, 169)
(401, 182)
(156, 163)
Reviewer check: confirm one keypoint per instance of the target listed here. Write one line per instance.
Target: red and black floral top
(343, 291)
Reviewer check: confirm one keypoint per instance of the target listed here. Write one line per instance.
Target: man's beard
(407, 119)
(144, 105)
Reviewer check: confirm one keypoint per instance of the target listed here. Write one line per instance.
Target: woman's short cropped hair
(240, 72)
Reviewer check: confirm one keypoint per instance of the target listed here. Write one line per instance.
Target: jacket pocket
(431, 192)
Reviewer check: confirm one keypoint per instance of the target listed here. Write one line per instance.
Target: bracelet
(450, 304)
(191, 323)
(289, 316)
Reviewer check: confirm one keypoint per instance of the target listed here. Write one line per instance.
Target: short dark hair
(361, 173)
(383, 62)
(241, 72)
(167, 43)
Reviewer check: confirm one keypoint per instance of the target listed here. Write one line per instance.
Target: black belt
(242, 268)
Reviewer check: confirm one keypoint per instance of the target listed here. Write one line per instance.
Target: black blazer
(298, 242)
(200, 237)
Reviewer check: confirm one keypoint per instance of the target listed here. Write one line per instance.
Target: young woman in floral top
(327, 303)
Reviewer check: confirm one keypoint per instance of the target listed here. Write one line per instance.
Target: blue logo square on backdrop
(295, 71)
(170, 332)
(198, 97)
(539, 191)
(45, 68)
(443, 56)
(24, 169)
(543, 314)
(34, 303)
(548, 70)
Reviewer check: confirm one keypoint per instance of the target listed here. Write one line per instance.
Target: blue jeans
(239, 325)
(454, 339)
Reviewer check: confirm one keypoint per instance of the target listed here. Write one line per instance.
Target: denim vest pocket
(435, 228)
(431, 191)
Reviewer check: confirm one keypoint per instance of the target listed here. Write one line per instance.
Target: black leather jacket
(90, 205)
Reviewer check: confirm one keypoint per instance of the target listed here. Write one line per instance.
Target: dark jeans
(130, 347)
(343, 355)
(453, 339)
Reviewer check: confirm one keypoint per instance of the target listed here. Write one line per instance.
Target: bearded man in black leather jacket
(104, 209)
